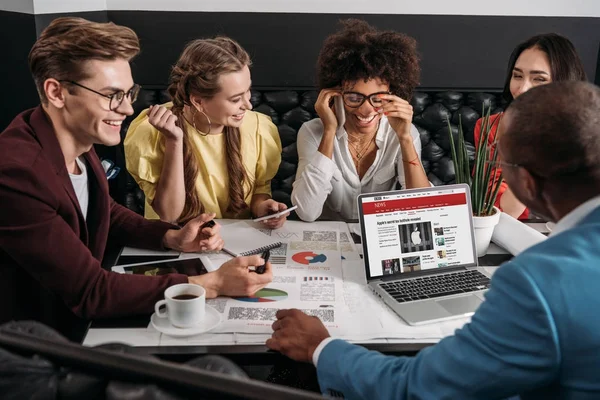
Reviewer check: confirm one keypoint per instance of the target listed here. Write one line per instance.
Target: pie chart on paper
(264, 296)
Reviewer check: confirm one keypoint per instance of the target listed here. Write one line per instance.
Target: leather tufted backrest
(289, 109)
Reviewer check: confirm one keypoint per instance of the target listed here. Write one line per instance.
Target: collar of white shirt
(576, 215)
(379, 137)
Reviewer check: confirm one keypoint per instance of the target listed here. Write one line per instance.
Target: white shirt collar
(379, 137)
(576, 215)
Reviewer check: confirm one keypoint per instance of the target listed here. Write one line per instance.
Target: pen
(261, 268)
(231, 253)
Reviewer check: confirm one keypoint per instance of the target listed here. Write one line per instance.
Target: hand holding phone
(340, 113)
(275, 215)
(330, 109)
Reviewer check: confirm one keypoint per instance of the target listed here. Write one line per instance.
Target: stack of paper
(515, 236)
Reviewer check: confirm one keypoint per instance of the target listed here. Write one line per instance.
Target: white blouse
(327, 188)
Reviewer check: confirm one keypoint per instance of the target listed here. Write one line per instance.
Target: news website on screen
(409, 232)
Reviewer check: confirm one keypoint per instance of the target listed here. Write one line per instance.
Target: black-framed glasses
(355, 99)
(116, 98)
(504, 163)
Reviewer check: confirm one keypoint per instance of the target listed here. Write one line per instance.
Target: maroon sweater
(49, 255)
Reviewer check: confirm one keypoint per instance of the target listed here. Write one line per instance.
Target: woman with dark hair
(363, 140)
(538, 60)
(206, 151)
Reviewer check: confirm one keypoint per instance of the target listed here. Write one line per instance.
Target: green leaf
(484, 186)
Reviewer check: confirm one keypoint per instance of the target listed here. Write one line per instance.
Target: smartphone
(275, 215)
(340, 112)
(261, 268)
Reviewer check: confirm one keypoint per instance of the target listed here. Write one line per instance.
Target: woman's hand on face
(165, 121)
(325, 111)
(399, 113)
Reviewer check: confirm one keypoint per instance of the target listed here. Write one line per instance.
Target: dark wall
(18, 90)
(457, 51)
(464, 52)
(43, 20)
(21, 31)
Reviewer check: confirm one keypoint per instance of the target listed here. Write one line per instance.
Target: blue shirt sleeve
(509, 347)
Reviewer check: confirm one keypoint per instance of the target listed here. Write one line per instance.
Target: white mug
(185, 305)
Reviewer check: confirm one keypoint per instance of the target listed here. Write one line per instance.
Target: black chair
(37, 362)
(290, 108)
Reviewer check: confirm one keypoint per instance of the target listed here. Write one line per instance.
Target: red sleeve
(477, 134)
(39, 240)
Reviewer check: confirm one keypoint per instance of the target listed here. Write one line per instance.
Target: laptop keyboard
(436, 285)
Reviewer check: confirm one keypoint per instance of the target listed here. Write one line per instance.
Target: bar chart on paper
(265, 295)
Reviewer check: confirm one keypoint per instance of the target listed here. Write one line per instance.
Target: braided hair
(197, 73)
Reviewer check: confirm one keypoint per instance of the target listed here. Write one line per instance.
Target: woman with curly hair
(367, 143)
(206, 151)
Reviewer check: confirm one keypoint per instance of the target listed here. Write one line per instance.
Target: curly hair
(359, 51)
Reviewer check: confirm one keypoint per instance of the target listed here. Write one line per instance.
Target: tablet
(143, 258)
(189, 266)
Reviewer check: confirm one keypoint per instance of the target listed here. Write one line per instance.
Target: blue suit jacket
(536, 335)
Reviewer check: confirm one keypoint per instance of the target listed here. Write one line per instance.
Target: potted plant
(484, 179)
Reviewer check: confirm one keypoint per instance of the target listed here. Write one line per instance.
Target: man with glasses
(116, 98)
(537, 333)
(55, 212)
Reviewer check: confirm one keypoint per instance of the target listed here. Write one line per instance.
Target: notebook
(241, 239)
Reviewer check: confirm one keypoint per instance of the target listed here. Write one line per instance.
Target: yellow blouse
(261, 156)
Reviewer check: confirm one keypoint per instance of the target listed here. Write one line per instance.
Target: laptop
(419, 252)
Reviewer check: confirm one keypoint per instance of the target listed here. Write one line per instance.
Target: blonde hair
(197, 73)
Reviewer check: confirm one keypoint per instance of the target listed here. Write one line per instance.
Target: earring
(194, 122)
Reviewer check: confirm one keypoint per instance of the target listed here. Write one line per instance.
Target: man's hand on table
(297, 335)
(234, 278)
(193, 238)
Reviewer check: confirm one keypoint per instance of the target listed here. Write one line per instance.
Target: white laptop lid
(417, 230)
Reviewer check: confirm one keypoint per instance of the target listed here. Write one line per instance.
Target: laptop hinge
(417, 274)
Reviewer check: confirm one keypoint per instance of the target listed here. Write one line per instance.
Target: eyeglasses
(116, 99)
(504, 163)
(355, 99)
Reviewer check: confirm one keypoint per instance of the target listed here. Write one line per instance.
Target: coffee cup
(185, 305)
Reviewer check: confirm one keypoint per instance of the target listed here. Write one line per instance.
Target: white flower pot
(484, 228)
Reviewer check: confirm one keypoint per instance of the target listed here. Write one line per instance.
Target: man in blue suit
(537, 335)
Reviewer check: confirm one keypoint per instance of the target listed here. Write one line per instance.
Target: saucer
(212, 319)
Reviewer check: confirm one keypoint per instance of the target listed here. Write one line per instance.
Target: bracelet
(413, 161)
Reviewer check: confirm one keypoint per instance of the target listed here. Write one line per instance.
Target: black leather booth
(289, 109)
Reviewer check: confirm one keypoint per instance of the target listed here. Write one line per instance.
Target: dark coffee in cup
(185, 297)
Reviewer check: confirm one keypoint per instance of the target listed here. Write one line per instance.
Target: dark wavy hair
(565, 64)
(359, 51)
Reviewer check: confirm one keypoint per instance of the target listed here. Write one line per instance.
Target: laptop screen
(415, 230)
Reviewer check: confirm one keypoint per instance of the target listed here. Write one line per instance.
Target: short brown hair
(68, 42)
(359, 51)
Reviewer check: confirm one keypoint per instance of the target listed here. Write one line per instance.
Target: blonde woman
(206, 151)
